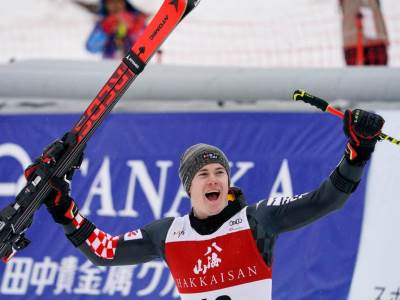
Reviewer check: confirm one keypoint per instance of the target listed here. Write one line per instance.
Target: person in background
(118, 28)
(365, 38)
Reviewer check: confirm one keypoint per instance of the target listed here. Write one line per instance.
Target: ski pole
(325, 107)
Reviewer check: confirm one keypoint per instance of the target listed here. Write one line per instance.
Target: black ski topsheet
(16, 218)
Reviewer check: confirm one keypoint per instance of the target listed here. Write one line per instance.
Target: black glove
(363, 129)
(60, 205)
(42, 165)
(51, 154)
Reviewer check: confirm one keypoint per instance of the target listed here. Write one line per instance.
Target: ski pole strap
(341, 183)
(134, 63)
(82, 233)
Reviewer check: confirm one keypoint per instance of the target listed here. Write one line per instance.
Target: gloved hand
(51, 154)
(363, 129)
(60, 205)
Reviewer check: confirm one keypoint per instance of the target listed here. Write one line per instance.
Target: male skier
(223, 248)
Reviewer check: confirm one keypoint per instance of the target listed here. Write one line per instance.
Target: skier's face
(209, 190)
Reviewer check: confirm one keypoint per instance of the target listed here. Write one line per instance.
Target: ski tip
(191, 4)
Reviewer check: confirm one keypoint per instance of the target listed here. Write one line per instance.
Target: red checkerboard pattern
(102, 244)
(77, 221)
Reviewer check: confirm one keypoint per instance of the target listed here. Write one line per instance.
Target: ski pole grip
(310, 99)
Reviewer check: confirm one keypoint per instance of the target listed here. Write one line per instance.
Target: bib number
(224, 297)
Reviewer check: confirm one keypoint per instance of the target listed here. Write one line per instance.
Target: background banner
(377, 273)
(130, 177)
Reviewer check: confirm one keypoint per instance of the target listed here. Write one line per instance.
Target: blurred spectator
(119, 26)
(365, 37)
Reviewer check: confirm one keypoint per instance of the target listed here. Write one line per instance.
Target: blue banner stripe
(130, 178)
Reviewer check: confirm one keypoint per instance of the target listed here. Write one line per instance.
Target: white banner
(377, 272)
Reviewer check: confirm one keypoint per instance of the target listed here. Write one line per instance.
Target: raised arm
(281, 214)
(288, 213)
(133, 247)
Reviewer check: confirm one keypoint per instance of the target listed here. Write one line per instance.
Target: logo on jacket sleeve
(133, 235)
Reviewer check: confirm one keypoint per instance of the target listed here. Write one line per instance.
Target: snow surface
(273, 33)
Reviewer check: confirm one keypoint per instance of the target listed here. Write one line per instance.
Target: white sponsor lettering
(16, 276)
(132, 61)
(283, 182)
(140, 174)
(277, 201)
(212, 260)
(215, 279)
(119, 280)
(43, 274)
(21, 156)
(101, 189)
(68, 277)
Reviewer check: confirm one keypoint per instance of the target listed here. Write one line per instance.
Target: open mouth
(212, 196)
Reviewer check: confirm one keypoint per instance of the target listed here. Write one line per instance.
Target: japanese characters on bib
(225, 265)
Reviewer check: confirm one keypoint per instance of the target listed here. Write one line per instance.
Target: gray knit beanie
(196, 157)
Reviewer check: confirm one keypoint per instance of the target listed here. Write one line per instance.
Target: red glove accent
(363, 129)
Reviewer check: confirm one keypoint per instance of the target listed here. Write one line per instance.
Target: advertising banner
(377, 274)
(129, 178)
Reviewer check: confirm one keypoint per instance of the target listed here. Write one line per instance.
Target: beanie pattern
(195, 158)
